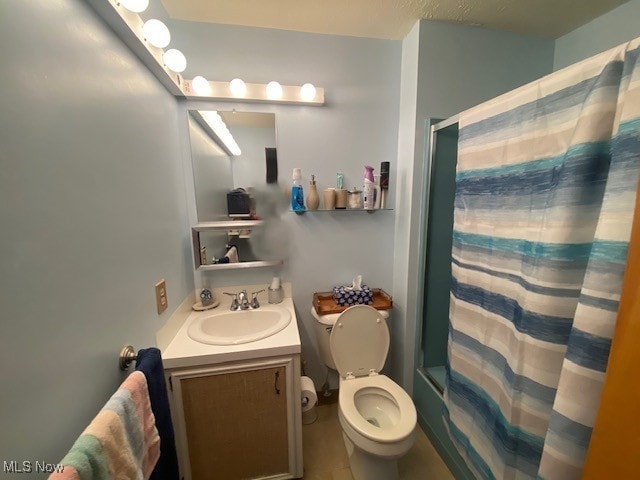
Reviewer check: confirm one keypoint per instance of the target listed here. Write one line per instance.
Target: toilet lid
(359, 341)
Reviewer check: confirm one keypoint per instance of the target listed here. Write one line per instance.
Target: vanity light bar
(128, 25)
(256, 92)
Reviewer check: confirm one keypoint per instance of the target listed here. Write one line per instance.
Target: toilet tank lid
(332, 317)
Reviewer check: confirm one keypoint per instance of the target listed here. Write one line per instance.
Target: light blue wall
(403, 327)
(462, 66)
(613, 28)
(92, 212)
(358, 125)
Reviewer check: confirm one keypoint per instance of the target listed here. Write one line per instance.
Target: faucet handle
(254, 299)
(234, 303)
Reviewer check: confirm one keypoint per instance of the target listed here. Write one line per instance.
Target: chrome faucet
(241, 300)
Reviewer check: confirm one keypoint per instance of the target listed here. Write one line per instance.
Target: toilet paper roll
(308, 393)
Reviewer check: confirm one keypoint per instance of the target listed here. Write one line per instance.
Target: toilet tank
(323, 326)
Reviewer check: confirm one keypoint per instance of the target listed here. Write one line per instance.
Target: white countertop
(182, 351)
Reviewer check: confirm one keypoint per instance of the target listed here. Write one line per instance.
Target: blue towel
(149, 362)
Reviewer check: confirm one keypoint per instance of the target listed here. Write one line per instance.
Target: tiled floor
(325, 456)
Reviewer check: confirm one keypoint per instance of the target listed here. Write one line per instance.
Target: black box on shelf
(239, 203)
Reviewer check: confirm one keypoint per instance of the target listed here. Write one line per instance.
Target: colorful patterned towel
(121, 442)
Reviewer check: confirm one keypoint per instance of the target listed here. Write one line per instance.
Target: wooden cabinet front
(236, 423)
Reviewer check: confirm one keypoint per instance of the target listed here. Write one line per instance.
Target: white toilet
(377, 416)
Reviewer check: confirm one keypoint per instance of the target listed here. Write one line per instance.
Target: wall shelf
(239, 265)
(323, 210)
(226, 225)
(232, 227)
(239, 234)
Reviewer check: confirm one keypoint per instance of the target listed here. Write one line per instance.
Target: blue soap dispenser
(297, 195)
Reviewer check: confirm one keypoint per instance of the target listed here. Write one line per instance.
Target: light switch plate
(161, 296)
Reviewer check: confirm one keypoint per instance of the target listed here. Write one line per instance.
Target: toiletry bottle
(384, 183)
(368, 192)
(313, 200)
(275, 292)
(297, 195)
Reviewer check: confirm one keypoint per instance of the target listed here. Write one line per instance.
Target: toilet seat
(405, 424)
(359, 341)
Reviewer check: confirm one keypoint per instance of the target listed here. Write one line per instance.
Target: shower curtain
(545, 189)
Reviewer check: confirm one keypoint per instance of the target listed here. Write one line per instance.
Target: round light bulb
(274, 91)
(175, 60)
(308, 92)
(201, 85)
(135, 6)
(156, 33)
(238, 87)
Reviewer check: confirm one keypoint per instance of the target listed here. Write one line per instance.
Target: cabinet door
(236, 424)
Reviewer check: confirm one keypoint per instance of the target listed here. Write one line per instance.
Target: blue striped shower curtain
(545, 189)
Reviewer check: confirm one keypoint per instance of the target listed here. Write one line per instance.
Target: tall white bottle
(369, 188)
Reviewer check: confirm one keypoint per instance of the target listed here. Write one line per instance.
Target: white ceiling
(392, 19)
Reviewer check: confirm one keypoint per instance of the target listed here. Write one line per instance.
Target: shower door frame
(432, 126)
(428, 399)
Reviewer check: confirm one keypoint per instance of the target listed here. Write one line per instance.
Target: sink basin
(242, 326)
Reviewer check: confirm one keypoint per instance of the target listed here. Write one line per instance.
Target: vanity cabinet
(238, 420)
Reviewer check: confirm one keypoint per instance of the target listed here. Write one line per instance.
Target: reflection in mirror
(232, 151)
(255, 133)
(212, 174)
(217, 166)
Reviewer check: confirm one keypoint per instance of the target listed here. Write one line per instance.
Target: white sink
(243, 326)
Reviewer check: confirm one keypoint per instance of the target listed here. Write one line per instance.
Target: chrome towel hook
(127, 355)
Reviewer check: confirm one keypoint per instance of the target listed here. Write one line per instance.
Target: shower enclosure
(429, 382)
(536, 197)
(443, 151)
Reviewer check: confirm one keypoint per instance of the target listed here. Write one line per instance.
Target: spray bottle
(368, 192)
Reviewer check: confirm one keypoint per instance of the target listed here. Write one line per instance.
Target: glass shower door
(443, 151)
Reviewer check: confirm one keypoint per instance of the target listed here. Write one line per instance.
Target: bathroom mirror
(229, 150)
(226, 161)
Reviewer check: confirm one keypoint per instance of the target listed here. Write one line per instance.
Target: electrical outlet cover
(161, 296)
